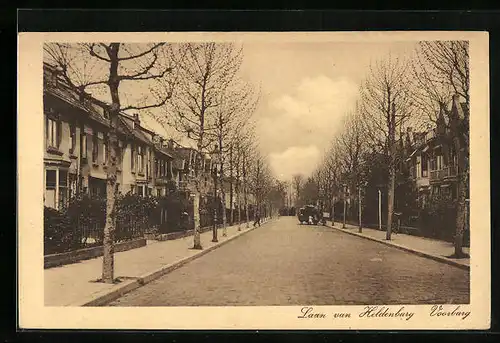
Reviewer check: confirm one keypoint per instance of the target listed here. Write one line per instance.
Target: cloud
(305, 121)
(294, 160)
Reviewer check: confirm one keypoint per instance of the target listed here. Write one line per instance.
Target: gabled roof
(135, 129)
(72, 98)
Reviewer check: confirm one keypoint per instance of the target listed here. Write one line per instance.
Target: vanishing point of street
(284, 263)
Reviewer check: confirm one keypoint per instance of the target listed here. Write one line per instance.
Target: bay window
(63, 188)
(56, 188)
(50, 188)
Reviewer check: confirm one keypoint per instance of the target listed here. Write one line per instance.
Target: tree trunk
(109, 227)
(224, 218)
(245, 199)
(390, 200)
(238, 201)
(461, 199)
(196, 218)
(222, 191)
(392, 171)
(231, 188)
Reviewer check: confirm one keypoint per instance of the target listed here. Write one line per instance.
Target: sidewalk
(74, 284)
(427, 247)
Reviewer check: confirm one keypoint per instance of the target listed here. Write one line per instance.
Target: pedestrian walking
(257, 218)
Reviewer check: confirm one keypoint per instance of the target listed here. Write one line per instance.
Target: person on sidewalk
(257, 218)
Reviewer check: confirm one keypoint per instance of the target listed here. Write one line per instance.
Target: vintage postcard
(313, 180)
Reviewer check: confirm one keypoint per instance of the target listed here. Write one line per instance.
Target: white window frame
(84, 145)
(52, 132)
(57, 185)
(105, 151)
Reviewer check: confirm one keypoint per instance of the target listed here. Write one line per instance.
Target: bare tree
(385, 107)
(352, 143)
(298, 182)
(237, 105)
(109, 66)
(206, 72)
(440, 72)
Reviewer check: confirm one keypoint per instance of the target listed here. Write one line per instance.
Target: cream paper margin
(33, 313)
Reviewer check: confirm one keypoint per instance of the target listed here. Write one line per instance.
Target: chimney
(457, 108)
(136, 119)
(170, 144)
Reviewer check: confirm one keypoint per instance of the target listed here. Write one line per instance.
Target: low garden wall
(55, 260)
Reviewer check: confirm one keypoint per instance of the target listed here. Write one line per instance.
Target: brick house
(433, 161)
(75, 150)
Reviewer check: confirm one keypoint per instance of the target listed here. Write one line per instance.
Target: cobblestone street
(284, 263)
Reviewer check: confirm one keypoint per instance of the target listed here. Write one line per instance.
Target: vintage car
(309, 211)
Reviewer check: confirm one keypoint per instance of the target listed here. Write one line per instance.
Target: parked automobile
(309, 214)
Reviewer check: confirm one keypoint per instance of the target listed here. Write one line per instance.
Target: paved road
(283, 263)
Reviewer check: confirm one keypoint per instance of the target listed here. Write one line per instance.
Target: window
(140, 190)
(439, 162)
(95, 147)
(83, 145)
(119, 156)
(97, 187)
(63, 188)
(73, 184)
(72, 137)
(52, 133)
(132, 158)
(157, 170)
(50, 188)
(105, 151)
(147, 163)
(169, 169)
(140, 159)
(56, 188)
(424, 165)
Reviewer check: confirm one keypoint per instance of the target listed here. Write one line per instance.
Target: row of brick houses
(75, 152)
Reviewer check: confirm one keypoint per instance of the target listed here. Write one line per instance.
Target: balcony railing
(446, 172)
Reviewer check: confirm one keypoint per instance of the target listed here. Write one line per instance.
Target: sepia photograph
(328, 178)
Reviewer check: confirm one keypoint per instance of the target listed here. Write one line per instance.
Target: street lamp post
(359, 209)
(360, 206)
(380, 210)
(215, 203)
(345, 205)
(333, 211)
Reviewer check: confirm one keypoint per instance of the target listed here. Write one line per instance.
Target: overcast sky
(307, 89)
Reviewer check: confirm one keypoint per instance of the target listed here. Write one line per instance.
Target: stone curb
(107, 296)
(437, 258)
